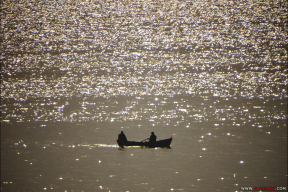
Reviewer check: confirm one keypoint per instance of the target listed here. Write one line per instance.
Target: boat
(160, 143)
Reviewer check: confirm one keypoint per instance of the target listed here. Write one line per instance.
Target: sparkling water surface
(211, 74)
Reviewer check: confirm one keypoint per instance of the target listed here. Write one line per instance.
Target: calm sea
(210, 74)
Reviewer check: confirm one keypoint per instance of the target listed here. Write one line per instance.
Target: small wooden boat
(160, 143)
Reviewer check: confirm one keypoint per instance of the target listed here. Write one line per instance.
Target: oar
(145, 139)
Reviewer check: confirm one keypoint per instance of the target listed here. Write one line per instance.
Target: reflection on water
(210, 74)
(161, 110)
(65, 49)
(201, 153)
(75, 157)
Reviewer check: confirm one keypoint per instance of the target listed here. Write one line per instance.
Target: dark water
(211, 74)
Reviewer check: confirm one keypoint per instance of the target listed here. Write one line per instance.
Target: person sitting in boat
(152, 137)
(122, 137)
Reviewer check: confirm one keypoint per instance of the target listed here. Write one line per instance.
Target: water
(210, 74)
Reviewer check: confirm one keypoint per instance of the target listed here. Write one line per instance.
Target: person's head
(152, 133)
(122, 132)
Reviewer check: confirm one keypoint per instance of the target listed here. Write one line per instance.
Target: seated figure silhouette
(122, 139)
(152, 138)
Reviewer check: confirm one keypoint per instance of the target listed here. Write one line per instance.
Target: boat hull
(160, 143)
